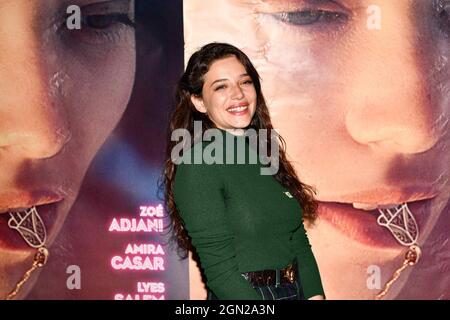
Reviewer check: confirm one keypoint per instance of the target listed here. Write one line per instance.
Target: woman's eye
(247, 82)
(220, 87)
(104, 21)
(311, 16)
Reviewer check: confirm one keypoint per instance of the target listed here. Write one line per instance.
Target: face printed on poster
(359, 91)
(80, 132)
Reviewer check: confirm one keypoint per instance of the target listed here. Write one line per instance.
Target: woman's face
(61, 93)
(359, 89)
(228, 95)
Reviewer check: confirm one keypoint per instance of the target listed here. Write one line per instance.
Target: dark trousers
(289, 291)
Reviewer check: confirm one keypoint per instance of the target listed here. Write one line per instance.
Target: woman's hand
(317, 297)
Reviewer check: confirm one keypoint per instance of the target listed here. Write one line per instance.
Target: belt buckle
(290, 273)
(268, 283)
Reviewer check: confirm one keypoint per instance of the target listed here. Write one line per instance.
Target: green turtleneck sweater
(241, 221)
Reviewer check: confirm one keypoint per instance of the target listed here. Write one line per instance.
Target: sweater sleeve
(200, 202)
(307, 265)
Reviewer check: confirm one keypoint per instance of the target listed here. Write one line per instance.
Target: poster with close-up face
(359, 90)
(85, 88)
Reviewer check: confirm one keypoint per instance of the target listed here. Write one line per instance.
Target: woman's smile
(239, 109)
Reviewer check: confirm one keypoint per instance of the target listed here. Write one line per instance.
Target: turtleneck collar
(239, 133)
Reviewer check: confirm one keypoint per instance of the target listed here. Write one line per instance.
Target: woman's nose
(390, 101)
(32, 121)
(237, 92)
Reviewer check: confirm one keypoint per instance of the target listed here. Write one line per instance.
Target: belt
(273, 277)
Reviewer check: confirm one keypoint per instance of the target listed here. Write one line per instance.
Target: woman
(246, 227)
(359, 90)
(62, 91)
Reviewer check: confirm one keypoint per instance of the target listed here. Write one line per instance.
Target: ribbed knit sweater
(241, 221)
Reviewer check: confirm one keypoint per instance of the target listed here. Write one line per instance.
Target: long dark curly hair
(184, 115)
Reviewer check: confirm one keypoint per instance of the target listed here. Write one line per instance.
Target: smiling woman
(62, 92)
(364, 112)
(246, 226)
